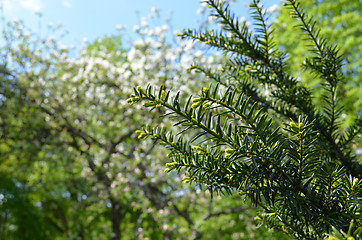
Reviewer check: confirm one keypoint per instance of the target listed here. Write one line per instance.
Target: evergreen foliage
(260, 134)
(339, 21)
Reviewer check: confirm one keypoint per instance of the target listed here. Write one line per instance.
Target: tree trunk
(116, 216)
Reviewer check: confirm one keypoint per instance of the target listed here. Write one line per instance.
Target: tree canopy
(71, 164)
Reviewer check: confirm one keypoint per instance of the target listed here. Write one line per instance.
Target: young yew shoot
(256, 129)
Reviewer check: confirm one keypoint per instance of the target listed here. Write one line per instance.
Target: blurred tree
(68, 142)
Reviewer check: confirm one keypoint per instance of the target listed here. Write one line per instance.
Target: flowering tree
(68, 141)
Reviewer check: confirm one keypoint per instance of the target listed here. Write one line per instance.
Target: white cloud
(66, 4)
(33, 5)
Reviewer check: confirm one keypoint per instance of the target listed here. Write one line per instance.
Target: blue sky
(96, 18)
